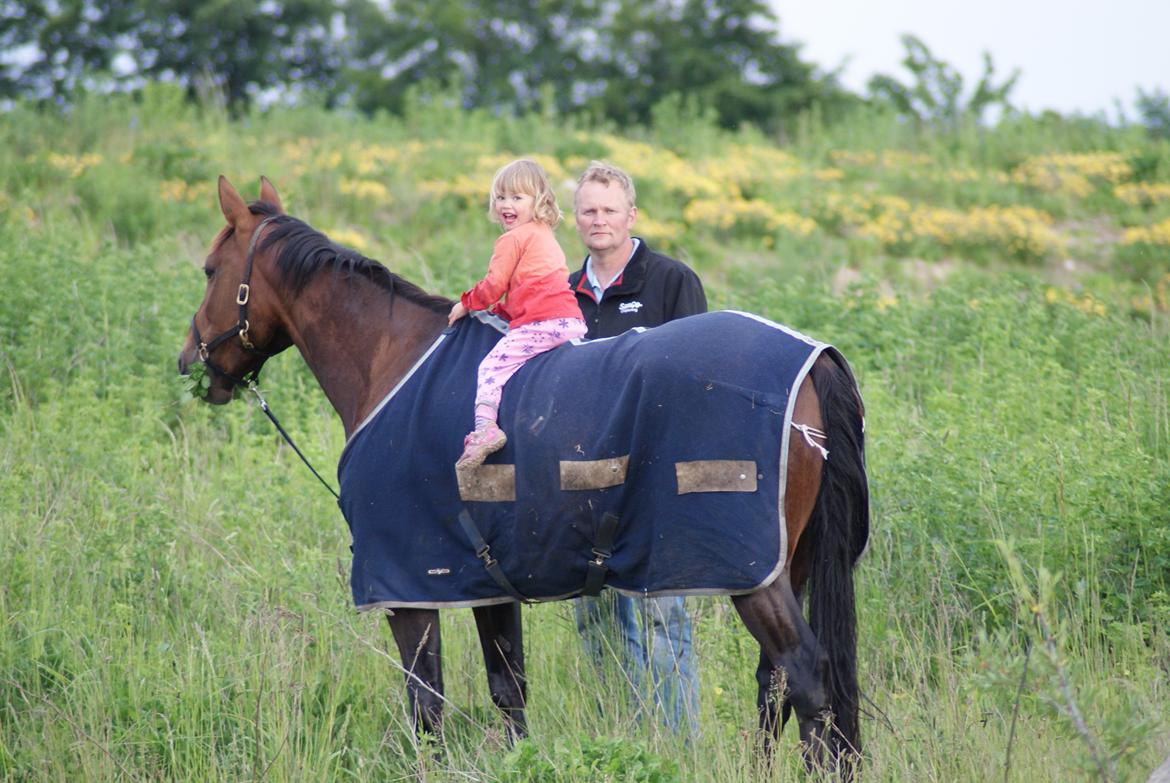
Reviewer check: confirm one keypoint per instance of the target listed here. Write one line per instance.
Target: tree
(611, 59)
(723, 55)
(496, 53)
(1154, 108)
(60, 43)
(935, 96)
(240, 48)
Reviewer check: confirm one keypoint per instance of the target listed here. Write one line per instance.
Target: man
(623, 284)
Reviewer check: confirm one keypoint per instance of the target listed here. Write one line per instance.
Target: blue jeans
(646, 634)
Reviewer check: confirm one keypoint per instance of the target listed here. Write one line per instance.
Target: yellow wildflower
(177, 190)
(349, 237)
(902, 159)
(366, 189)
(74, 165)
(1075, 175)
(298, 150)
(1143, 193)
(1157, 234)
(725, 214)
(661, 232)
(853, 159)
(330, 159)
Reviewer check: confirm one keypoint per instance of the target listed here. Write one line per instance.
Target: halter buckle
(203, 354)
(244, 335)
(242, 294)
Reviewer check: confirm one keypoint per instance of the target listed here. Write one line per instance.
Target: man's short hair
(605, 173)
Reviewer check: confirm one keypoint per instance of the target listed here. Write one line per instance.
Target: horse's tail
(840, 529)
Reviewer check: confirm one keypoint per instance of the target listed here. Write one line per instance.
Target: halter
(241, 327)
(249, 380)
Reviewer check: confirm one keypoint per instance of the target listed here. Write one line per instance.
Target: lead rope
(255, 389)
(812, 432)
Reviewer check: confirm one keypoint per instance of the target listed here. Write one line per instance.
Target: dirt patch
(1088, 247)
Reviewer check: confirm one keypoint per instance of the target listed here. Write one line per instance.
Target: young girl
(528, 271)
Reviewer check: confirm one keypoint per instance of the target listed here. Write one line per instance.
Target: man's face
(604, 216)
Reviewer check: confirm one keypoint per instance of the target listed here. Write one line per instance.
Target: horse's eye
(208, 272)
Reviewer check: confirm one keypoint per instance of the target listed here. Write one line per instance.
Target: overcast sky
(1073, 56)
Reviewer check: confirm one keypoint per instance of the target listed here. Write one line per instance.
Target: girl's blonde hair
(528, 177)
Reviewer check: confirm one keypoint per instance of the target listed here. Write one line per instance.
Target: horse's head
(237, 327)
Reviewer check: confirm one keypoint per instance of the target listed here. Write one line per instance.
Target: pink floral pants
(516, 347)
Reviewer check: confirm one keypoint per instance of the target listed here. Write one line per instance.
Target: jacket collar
(629, 281)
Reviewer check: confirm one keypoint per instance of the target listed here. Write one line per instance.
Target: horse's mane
(305, 251)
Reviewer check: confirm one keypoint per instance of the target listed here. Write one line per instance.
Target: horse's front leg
(416, 632)
(501, 636)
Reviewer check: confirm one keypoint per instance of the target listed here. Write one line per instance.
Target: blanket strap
(602, 549)
(483, 552)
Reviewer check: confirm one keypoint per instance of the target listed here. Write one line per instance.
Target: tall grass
(174, 597)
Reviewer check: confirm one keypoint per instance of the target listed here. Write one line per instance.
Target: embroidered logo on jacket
(629, 307)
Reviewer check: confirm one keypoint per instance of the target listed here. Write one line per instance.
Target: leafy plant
(612, 760)
(1154, 110)
(196, 383)
(934, 97)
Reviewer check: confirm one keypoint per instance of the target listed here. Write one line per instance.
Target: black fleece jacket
(651, 290)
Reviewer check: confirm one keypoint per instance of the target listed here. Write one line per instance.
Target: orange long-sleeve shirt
(528, 271)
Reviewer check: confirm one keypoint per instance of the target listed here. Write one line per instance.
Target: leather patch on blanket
(593, 473)
(716, 475)
(488, 483)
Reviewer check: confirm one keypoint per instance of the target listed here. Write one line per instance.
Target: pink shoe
(478, 444)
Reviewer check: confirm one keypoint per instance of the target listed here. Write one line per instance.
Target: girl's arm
(494, 285)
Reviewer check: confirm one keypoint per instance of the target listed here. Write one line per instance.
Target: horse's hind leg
(501, 636)
(416, 632)
(792, 668)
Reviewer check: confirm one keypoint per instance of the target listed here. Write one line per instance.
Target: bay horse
(271, 284)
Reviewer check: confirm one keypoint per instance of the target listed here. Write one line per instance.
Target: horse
(271, 282)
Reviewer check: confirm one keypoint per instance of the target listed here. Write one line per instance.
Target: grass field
(174, 600)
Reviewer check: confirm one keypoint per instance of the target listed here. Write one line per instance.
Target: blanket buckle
(596, 570)
(483, 552)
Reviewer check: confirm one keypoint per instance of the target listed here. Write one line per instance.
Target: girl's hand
(457, 312)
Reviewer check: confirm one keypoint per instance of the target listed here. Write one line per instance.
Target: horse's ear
(268, 193)
(232, 204)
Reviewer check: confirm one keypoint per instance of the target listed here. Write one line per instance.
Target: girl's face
(514, 209)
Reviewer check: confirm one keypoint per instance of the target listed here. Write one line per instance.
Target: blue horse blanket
(681, 431)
